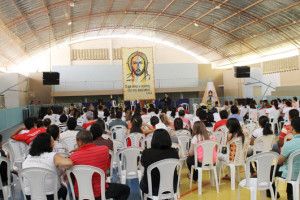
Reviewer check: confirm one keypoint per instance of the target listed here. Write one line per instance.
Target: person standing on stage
(167, 101)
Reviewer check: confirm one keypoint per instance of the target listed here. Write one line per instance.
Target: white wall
(270, 79)
(106, 76)
(13, 98)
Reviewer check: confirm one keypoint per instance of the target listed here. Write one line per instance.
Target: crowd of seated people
(90, 130)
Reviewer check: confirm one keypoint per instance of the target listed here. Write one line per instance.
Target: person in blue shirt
(235, 113)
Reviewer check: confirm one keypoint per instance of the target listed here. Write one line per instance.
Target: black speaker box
(50, 78)
(242, 72)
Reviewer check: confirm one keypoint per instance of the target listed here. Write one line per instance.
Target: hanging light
(69, 23)
(196, 24)
(72, 3)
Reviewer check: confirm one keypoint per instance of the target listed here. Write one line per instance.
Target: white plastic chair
(184, 143)
(69, 142)
(207, 163)
(36, 178)
(19, 151)
(263, 144)
(262, 183)
(83, 175)
(6, 190)
(195, 107)
(116, 127)
(136, 139)
(166, 170)
(239, 160)
(183, 132)
(128, 164)
(119, 134)
(146, 143)
(291, 174)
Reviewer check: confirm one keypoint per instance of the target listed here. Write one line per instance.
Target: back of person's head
(90, 115)
(164, 119)
(136, 122)
(39, 123)
(53, 130)
(296, 124)
(203, 115)
(275, 104)
(265, 124)
(29, 123)
(101, 122)
(84, 137)
(154, 120)
(71, 123)
(63, 118)
(223, 114)
(49, 111)
(100, 107)
(47, 122)
(84, 109)
(295, 98)
(96, 131)
(231, 103)
(288, 103)
(216, 103)
(42, 143)
(178, 124)
(198, 112)
(144, 110)
(226, 103)
(234, 109)
(173, 112)
(293, 113)
(234, 127)
(1, 138)
(181, 113)
(199, 128)
(161, 139)
(156, 111)
(119, 114)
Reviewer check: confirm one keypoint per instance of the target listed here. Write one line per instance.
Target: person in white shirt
(295, 103)
(286, 110)
(50, 116)
(69, 134)
(100, 112)
(263, 130)
(41, 156)
(58, 147)
(273, 112)
(62, 124)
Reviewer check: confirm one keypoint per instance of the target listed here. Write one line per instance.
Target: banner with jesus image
(138, 74)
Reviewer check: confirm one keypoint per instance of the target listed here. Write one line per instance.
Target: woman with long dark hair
(160, 149)
(41, 156)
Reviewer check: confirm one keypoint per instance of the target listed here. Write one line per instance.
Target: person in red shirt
(223, 121)
(96, 156)
(287, 128)
(91, 121)
(27, 134)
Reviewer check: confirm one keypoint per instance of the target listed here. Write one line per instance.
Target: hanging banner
(138, 74)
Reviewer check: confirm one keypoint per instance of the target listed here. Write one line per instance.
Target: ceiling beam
(145, 9)
(200, 17)
(122, 17)
(161, 12)
(111, 3)
(49, 18)
(105, 14)
(260, 20)
(89, 19)
(180, 14)
(229, 17)
(32, 31)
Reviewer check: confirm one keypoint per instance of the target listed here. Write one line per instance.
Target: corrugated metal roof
(221, 29)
